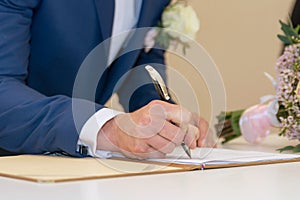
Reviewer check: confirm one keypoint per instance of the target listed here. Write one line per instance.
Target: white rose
(182, 21)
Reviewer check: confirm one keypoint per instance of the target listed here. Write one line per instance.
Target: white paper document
(215, 156)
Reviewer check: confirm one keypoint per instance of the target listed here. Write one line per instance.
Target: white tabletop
(276, 181)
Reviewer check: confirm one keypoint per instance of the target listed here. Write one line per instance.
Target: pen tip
(189, 154)
(186, 149)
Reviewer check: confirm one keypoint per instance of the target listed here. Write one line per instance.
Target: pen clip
(158, 83)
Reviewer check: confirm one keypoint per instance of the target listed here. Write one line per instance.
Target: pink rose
(255, 123)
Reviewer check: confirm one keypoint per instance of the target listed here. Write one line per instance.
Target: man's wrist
(90, 131)
(106, 136)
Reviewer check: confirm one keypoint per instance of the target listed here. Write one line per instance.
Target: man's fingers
(174, 113)
(151, 153)
(161, 144)
(191, 136)
(203, 129)
(141, 150)
(210, 140)
(172, 133)
(156, 129)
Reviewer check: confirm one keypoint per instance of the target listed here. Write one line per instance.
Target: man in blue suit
(296, 13)
(43, 44)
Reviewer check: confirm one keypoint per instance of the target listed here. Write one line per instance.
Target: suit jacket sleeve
(29, 121)
(296, 14)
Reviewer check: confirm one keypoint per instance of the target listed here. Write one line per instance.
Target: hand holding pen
(188, 127)
(153, 131)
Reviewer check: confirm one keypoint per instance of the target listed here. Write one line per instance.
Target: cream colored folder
(47, 169)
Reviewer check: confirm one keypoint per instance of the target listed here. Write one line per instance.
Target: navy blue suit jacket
(42, 45)
(296, 13)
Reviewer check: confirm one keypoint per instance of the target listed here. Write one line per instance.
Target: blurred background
(241, 38)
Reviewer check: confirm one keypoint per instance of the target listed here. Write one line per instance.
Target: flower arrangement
(179, 24)
(281, 110)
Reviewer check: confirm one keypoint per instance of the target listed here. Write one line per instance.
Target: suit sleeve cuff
(89, 132)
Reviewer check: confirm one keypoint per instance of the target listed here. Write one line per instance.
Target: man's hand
(153, 131)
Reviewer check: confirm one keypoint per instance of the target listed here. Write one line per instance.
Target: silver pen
(162, 90)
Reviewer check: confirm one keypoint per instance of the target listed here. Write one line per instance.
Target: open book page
(210, 156)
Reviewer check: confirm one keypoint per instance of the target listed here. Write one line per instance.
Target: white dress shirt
(126, 16)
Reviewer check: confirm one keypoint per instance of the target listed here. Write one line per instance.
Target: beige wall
(241, 38)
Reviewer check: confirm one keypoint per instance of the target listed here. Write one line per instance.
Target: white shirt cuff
(89, 132)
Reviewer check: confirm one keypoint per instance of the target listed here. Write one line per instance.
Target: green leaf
(228, 115)
(230, 128)
(296, 148)
(235, 119)
(163, 39)
(297, 29)
(223, 116)
(227, 139)
(288, 30)
(287, 148)
(237, 113)
(284, 39)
